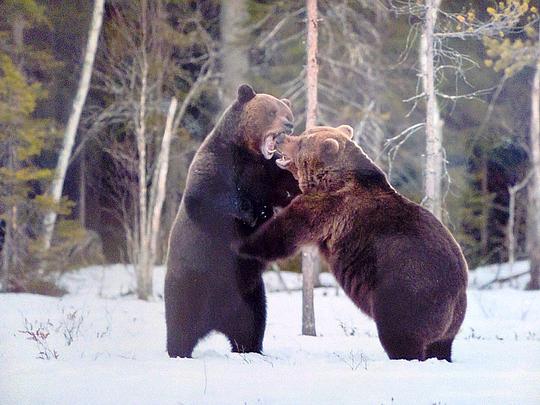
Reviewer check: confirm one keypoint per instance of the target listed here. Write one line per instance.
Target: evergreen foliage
(368, 70)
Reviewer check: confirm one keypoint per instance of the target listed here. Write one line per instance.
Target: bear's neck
(225, 134)
(371, 178)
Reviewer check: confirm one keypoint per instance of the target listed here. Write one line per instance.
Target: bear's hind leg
(186, 318)
(442, 350)
(399, 347)
(183, 344)
(244, 335)
(245, 328)
(183, 331)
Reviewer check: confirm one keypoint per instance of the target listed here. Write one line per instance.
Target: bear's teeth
(268, 148)
(283, 162)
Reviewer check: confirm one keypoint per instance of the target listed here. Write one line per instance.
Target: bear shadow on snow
(233, 186)
(392, 257)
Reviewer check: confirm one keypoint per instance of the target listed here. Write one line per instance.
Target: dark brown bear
(233, 186)
(393, 258)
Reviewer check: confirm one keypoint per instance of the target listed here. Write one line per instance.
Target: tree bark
(160, 180)
(8, 234)
(534, 187)
(6, 254)
(143, 268)
(310, 259)
(73, 122)
(234, 58)
(510, 237)
(434, 152)
(484, 226)
(8, 249)
(82, 188)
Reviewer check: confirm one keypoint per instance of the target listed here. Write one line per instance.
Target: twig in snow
(504, 279)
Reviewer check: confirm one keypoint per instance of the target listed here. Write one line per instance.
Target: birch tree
(73, 121)
(138, 71)
(310, 258)
(350, 60)
(150, 203)
(234, 60)
(438, 59)
(434, 148)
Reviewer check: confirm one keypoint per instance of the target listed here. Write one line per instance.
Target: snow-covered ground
(100, 345)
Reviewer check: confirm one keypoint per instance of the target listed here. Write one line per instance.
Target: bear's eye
(272, 113)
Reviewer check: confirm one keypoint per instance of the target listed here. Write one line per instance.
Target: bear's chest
(253, 183)
(253, 180)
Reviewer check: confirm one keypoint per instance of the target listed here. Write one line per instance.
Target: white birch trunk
(7, 255)
(142, 266)
(510, 237)
(160, 179)
(534, 187)
(73, 122)
(434, 151)
(310, 259)
(234, 53)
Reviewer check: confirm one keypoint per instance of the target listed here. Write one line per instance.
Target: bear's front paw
(246, 212)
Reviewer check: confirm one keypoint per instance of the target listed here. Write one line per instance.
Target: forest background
(171, 67)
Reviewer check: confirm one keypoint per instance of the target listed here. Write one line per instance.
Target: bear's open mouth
(268, 147)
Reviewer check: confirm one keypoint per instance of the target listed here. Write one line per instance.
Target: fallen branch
(504, 279)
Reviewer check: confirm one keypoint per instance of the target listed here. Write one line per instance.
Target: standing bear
(233, 186)
(392, 257)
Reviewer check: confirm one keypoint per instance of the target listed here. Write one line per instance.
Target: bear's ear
(346, 130)
(329, 149)
(287, 102)
(245, 93)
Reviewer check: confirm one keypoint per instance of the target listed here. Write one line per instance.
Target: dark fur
(230, 191)
(392, 257)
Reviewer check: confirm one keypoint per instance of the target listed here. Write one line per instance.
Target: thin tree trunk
(73, 122)
(18, 26)
(8, 235)
(434, 152)
(8, 250)
(534, 187)
(160, 179)
(13, 258)
(82, 188)
(6, 254)
(234, 56)
(510, 237)
(511, 240)
(143, 263)
(310, 259)
(484, 231)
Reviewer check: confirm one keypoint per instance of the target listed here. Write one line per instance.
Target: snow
(110, 348)
(515, 274)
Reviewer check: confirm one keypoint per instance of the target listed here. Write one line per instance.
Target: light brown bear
(392, 257)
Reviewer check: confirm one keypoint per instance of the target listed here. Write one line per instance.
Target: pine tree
(22, 139)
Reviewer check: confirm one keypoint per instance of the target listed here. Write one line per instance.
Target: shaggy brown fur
(392, 257)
